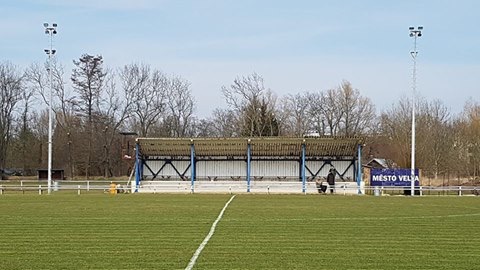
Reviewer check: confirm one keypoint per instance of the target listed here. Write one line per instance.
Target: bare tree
(260, 119)
(243, 91)
(115, 109)
(37, 79)
(358, 113)
(11, 88)
(24, 137)
(63, 107)
(395, 126)
(341, 111)
(434, 137)
(65, 116)
(25, 134)
(203, 128)
(181, 105)
(316, 111)
(468, 139)
(254, 105)
(224, 123)
(88, 78)
(147, 90)
(296, 116)
(329, 109)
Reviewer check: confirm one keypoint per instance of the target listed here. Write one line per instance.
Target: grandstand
(245, 164)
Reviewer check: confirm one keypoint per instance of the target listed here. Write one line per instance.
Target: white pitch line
(207, 238)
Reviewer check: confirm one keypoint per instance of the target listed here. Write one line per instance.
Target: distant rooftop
(381, 163)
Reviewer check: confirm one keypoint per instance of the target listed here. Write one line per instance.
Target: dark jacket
(331, 178)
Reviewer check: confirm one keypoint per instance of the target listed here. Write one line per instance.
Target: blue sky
(295, 45)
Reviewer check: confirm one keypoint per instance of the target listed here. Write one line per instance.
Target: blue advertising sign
(392, 177)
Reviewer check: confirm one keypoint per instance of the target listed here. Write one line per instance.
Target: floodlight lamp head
(54, 24)
(46, 31)
(54, 32)
(54, 51)
(411, 34)
(420, 28)
(47, 51)
(411, 28)
(45, 24)
(419, 34)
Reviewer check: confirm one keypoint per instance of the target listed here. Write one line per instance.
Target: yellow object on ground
(113, 188)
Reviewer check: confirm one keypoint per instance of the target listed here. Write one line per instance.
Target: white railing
(262, 187)
(29, 186)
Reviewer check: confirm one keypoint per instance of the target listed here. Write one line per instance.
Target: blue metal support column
(359, 168)
(138, 165)
(192, 166)
(304, 180)
(249, 157)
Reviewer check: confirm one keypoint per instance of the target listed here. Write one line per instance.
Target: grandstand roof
(260, 146)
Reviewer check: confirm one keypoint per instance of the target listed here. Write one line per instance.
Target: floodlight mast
(415, 33)
(50, 30)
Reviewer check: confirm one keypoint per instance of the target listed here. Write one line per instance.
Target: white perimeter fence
(257, 187)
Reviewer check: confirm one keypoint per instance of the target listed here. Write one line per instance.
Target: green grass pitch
(162, 231)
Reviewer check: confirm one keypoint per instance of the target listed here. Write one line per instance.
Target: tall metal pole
(138, 167)
(359, 168)
(249, 164)
(50, 52)
(192, 166)
(415, 33)
(304, 178)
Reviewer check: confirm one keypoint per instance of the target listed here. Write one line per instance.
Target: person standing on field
(331, 179)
